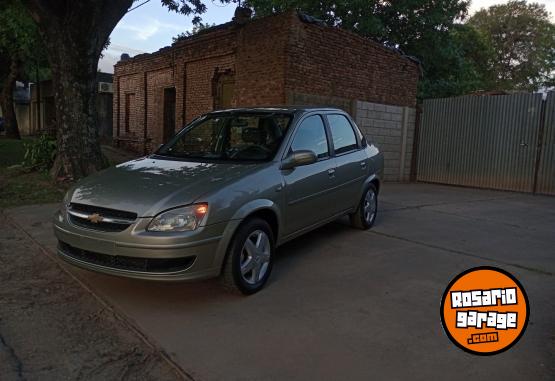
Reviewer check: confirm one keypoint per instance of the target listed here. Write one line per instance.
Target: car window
(230, 137)
(342, 133)
(311, 135)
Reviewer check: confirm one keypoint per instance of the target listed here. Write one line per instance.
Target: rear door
(351, 161)
(308, 188)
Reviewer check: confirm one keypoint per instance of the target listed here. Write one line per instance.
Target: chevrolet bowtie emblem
(95, 218)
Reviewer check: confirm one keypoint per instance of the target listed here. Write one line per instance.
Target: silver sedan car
(221, 195)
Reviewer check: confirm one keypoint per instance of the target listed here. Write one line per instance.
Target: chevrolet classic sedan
(221, 195)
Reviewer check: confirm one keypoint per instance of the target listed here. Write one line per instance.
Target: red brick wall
(270, 58)
(261, 57)
(189, 65)
(199, 83)
(156, 82)
(196, 61)
(128, 87)
(334, 62)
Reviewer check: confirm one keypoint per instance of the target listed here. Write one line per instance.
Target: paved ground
(346, 304)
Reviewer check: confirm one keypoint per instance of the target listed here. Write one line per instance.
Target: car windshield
(233, 137)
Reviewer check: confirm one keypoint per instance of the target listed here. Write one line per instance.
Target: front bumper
(136, 253)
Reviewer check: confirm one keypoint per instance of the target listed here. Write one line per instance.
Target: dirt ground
(51, 328)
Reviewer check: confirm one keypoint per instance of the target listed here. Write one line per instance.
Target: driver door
(308, 187)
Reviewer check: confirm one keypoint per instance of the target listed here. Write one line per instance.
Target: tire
(248, 266)
(365, 215)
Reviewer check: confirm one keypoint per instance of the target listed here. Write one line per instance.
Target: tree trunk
(74, 84)
(6, 102)
(75, 33)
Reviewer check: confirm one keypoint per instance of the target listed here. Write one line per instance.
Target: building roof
(303, 17)
(273, 109)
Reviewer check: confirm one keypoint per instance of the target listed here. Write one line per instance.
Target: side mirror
(298, 158)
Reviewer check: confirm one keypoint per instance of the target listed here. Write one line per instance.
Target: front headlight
(61, 214)
(179, 219)
(66, 201)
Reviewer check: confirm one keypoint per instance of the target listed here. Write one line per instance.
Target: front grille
(154, 265)
(107, 212)
(124, 218)
(102, 226)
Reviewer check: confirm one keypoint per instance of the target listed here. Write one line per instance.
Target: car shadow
(305, 244)
(169, 296)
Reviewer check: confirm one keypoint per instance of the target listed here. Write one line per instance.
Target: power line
(132, 9)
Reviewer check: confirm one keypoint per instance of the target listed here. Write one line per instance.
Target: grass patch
(19, 186)
(11, 152)
(28, 188)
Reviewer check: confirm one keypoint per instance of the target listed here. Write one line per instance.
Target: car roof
(282, 109)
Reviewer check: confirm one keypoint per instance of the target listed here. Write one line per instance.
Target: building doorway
(169, 114)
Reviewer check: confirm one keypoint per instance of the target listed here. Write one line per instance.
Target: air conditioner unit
(105, 87)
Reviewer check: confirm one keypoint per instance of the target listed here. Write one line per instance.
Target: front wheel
(250, 257)
(365, 215)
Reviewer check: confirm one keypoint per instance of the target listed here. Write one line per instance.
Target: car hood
(149, 185)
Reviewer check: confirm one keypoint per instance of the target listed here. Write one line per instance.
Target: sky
(151, 26)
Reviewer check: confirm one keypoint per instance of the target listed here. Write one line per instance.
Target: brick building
(288, 58)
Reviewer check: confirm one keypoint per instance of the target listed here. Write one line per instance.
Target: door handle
(331, 172)
(363, 164)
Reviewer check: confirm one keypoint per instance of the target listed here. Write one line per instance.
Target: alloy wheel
(255, 257)
(370, 206)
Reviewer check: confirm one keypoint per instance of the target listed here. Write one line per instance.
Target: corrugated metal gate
(546, 168)
(498, 142)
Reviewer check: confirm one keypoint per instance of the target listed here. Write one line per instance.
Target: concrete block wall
(391, 129)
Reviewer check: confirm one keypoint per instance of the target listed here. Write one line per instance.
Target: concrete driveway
(347, 304)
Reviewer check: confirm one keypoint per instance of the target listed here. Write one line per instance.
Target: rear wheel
(250, 257)
(365, 215)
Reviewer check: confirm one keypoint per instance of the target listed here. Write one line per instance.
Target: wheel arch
(264, 209)
(374, 180)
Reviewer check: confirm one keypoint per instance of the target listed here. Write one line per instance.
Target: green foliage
(186, 7)
(400, 23)
(21, 42)
(459, 67)
(17, 31)
(523, 42)
(39, 153)
(196, 29)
